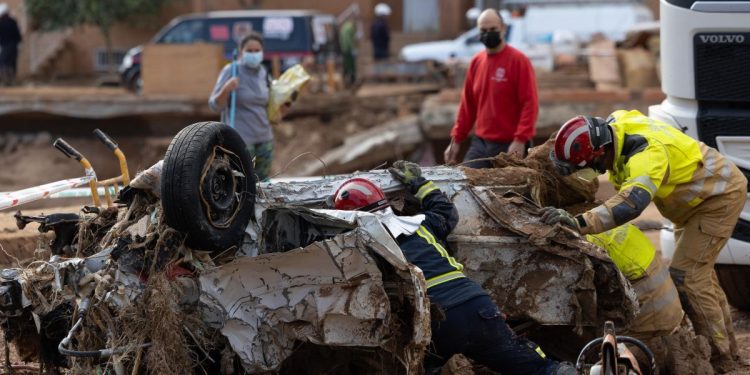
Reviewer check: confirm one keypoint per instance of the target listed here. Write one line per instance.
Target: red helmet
(579, 142)
(359, 194)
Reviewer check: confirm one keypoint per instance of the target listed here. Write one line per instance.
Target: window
(101, 59)
(280, 34)
(185, 32)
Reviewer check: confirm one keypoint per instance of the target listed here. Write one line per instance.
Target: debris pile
(147, 302)
(120, 289)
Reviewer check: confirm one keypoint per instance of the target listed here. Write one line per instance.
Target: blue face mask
(252, 59)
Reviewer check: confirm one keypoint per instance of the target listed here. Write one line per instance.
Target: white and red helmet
(579, 142)
(359, 194)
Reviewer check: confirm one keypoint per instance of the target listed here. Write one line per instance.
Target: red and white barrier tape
(19, 197)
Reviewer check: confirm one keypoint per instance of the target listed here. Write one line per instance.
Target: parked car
(534, 33)
(291, 35)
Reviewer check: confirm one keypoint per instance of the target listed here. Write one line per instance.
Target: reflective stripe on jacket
(446, 283)
(635, 257)
(676, 171)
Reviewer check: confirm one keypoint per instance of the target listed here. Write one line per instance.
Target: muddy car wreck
(196, 268)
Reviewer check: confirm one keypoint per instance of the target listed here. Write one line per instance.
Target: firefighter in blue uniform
(472, 325)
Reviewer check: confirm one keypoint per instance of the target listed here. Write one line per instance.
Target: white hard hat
(3, 8)
(382, 9)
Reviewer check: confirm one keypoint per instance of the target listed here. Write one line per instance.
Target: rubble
(127, 292)
(329, 293)
(395, 140)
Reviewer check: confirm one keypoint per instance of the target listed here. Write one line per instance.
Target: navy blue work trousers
(477, 330)
(482, 149)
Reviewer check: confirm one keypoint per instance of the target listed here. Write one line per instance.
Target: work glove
(552, 216)
(405, 171)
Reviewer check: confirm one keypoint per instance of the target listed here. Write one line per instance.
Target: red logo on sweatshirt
(499, 75)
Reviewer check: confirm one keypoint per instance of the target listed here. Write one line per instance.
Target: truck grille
(722, 66)
(727, 119)
(742, 231)
(715, 119)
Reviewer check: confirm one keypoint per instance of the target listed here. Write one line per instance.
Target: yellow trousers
(699, 240)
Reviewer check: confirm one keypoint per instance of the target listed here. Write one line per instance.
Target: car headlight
(127, 62)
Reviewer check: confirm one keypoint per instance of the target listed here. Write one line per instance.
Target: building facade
(81, 51)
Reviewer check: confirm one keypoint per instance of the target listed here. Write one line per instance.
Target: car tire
(202, 193)
(735, 280)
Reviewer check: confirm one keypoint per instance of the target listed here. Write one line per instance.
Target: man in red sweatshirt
(499, 96)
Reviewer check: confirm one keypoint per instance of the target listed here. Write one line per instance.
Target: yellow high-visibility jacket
(655, 161)
(635, 256)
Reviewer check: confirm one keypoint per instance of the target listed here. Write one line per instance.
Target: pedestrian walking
(10, 38)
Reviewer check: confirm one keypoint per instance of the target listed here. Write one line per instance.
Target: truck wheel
(735, 280)
(208, 186)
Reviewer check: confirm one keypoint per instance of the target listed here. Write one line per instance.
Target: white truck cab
(705, 66)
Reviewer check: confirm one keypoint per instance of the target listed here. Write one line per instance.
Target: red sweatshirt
(500, 96)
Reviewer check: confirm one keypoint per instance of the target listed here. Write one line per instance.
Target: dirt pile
(300, 139)
(31, 160)
(682, 353)
(535, 177)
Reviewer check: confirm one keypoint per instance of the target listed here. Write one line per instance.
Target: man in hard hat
(380, 34)
(499, 98)
(473, 324)
(10, 37)
(692, 185)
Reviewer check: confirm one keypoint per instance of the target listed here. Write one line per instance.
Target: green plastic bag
(285, 90)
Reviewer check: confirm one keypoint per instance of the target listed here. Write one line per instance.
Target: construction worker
(380, 34)
(473, 324)
(692, 185)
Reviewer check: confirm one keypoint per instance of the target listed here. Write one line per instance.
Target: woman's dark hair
(251, 36)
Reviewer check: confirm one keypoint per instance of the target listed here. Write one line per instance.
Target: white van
(534, 33)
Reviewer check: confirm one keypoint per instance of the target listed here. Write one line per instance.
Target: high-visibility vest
(629, 248)
(635, 257)
(678, 172)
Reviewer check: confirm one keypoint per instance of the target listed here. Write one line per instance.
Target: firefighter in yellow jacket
(692, 185)
(660, 312)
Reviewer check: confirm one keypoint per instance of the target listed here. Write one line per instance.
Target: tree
(48, 15)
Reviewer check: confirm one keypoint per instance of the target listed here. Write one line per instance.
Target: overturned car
(198, 267)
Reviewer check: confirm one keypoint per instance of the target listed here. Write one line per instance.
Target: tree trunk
(111, 65)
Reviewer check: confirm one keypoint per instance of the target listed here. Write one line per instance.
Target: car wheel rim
(221, 187)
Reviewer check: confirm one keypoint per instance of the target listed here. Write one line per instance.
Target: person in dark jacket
(10, 37)
(380, 35)
(473, 324)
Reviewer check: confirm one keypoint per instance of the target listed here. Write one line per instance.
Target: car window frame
(161, 38)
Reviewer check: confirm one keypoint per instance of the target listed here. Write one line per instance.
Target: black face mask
(490, 39)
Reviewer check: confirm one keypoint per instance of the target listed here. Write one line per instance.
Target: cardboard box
(604, 69)
(181, 69)
(639, 68)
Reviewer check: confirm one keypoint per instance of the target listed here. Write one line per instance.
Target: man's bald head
(491, 30)
(490, 20)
